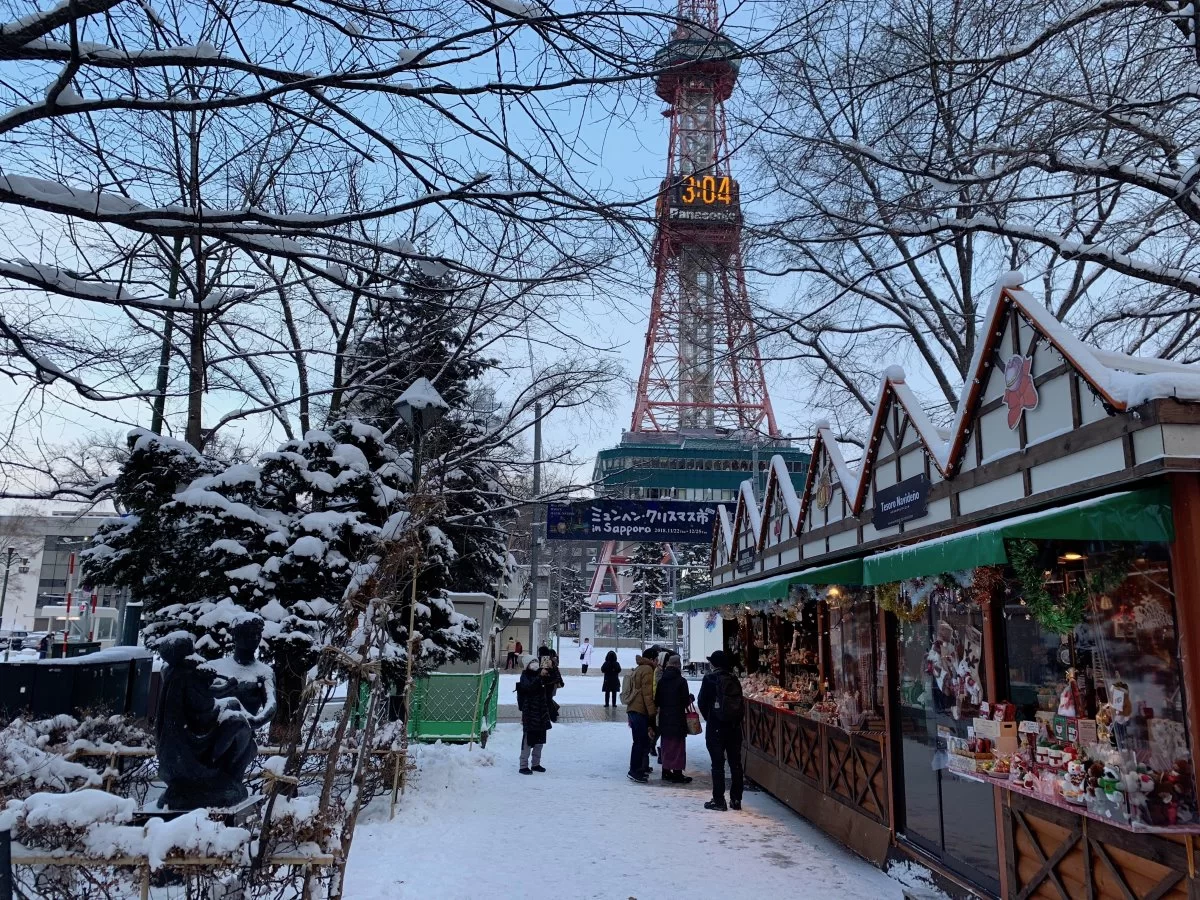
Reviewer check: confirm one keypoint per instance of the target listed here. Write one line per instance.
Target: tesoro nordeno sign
(902, 502)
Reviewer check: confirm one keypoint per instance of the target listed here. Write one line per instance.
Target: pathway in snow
(472, 827)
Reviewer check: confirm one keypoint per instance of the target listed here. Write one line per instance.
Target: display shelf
(1060, 803)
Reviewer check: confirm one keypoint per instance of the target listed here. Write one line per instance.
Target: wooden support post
(886, 643)
(1185, 573)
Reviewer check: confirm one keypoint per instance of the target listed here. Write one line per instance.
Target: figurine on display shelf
(1068, 700)
(1074, 783)
(1122, 706)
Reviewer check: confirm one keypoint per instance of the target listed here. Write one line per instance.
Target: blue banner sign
(673, 521)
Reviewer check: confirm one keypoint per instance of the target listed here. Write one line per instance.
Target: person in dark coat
(611, 669)
(672, 698)
(548, 660)
(533, 699)
(721, 704)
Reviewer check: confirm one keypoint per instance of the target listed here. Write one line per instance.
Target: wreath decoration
(1060, 614)
(900, 603)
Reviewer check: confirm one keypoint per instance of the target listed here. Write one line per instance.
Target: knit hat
(675, 662)
(720, 660)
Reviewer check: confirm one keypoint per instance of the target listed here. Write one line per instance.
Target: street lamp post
(22, 568)
(421, 407)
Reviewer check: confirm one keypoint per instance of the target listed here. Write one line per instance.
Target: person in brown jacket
(641, 712)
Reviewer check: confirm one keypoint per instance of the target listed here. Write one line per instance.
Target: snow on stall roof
(787, 490)
(848, 481)
(1124, 381)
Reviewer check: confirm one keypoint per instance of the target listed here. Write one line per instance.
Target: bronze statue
(205, 742)
(243, 676)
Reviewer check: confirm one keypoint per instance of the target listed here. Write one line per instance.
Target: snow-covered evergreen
(572, 596)
(650, 585)
(430, 336)
(290, 537)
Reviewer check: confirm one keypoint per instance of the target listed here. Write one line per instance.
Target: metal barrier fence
(454, 707)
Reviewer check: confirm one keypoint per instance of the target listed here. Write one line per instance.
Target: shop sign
(745, 559)
(901, 502)
(673, 521)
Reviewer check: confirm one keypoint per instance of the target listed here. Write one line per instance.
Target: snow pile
(38, 754)
(93, 823)
(77, 810)
(444, 774)
(194, 834)
(917, 879)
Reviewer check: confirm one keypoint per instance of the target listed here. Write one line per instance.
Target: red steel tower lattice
(701, 367)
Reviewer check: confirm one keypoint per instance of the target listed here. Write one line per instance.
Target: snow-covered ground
(582, 690)
(470, 826)
(568, 655)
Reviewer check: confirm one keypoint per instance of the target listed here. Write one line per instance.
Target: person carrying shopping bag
(673, 699)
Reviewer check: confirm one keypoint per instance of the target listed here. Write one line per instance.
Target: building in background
(36, 599)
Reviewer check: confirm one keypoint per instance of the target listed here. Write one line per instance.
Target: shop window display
(1100, 702)
(816, 654)
(853, 645)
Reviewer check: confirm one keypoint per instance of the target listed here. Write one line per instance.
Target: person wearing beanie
(721, 703)
(672, 698)
(533, 699)
(641, 713)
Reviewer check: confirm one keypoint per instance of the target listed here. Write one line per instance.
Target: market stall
(981, 647)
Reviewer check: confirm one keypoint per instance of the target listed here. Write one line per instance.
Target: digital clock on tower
(703, 200)
(706, 190)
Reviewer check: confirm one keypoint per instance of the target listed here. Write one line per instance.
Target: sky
(629, 157)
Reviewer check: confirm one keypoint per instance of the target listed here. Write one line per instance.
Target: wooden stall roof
(1158, 389)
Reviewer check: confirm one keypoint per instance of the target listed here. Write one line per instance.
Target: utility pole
(537, 529)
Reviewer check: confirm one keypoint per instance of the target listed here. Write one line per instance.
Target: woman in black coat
(672, 698)
(612, 677)
(534, 700)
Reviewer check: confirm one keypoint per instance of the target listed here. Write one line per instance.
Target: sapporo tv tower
(702, 420)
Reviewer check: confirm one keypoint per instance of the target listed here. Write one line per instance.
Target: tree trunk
(291, 669)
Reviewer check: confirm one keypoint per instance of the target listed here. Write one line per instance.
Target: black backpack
(728, 705)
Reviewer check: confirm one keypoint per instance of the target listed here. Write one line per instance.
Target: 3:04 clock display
(706, 189)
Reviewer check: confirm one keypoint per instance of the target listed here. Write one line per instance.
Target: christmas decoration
(1060, 614)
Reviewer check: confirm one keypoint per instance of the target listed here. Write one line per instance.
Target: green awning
(776, 587)
(1142, 515)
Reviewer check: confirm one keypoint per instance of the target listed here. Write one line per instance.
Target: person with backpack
(637, 693)
(722, 705)
(533, 700)
(611, 670)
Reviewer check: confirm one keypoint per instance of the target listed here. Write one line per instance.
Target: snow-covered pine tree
(424, 334)
(572, 596)
(336, 488)
(445, 635)
(649, 586)
(697, 577)
(429, 335)
(158, 547)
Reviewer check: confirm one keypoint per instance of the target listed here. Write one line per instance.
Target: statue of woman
(243, 676)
